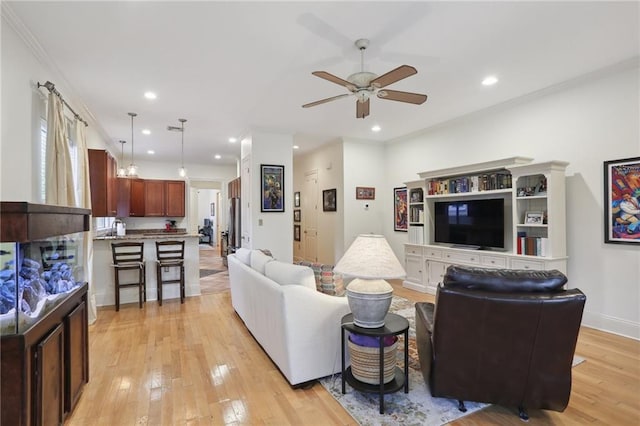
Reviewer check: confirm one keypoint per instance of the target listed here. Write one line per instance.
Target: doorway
(309, 204)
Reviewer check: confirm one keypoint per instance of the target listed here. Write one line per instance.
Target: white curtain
(59, 182)
(85, 202)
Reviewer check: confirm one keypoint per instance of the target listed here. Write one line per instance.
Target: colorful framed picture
(297, 215)
(272, 184)
(622, 201)
(296, 199)
(296, 232)
(329, 200)
(365, 193)
(400, 221)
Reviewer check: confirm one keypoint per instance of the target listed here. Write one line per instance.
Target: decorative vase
(369, 301)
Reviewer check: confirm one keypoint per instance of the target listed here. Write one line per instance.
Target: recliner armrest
(425, 311)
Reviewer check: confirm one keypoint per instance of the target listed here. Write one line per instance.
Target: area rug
(417, 407)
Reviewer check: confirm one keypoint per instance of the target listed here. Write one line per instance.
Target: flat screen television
(475, 223)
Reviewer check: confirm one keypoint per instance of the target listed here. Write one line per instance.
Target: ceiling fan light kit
(363, 85)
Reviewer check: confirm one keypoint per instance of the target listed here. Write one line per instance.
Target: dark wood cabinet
(77, 355)
(131, 197)
(154, 198)
(102, 176)
(49, 378)
(175, 196)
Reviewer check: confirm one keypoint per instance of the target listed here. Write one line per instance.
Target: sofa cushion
(287, 274)
(504, 280)
(327, 281)
(259, 260)
(244, 255)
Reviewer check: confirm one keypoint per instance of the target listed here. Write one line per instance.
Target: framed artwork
(400, 222)
(213, 209)
(365, 193)
(296, 199)
(622, 201)
(533, 218)
(296, 232)
(272, 184)
(297, 215)
(329, 200)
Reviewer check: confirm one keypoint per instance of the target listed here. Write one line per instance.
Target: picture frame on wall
(272, 185)
(296, 199)
(329, 203)
(296, 232)
(400, 219)
(297, 215)
(365, 193)
(622, 201)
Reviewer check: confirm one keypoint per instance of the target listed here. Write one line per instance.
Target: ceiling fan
(365, 84)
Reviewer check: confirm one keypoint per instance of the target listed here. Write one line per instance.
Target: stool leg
(144, 282)
(159, 279)
(140, 284)
(182, 292)
(117, 288)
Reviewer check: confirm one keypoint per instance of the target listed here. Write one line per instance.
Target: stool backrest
(169, 250)
(127, 252)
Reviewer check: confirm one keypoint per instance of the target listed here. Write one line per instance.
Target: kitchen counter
(103, 273)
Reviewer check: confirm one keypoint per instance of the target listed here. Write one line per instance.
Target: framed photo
(296, 232)
(296, 199)
(622, 201)
(329, 200)
(296, 215)
(213, 209)
(272, 184)
(400, 221)
(533, 218)
(365, 193)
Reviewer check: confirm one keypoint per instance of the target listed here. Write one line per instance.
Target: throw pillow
(259, 260)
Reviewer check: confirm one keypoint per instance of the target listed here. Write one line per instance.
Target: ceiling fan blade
(403, 71)
(362, 108)
(394, 95)
(332, 78)
(322, 101)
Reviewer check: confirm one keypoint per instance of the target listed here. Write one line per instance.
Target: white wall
(584, 122)
(272, 230)
(364, 166)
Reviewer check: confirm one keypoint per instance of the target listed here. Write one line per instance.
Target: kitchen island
(103, 272)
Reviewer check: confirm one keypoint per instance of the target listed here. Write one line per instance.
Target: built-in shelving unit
(534, 215)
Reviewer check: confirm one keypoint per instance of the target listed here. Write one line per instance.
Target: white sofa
(297, 326)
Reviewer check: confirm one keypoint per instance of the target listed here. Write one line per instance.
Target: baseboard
(611, 324)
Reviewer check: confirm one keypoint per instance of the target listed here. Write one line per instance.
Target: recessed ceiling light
(233, 140)
(296, 147)
(146, 132)
(217, 156)
(150, 95)
(376, 128)
(490, 80)
(151, 152)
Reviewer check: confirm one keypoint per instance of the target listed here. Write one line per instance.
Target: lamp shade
(370, 257)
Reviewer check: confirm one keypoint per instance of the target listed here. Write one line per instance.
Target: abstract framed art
(272, 184)
(329, 200)
(622, 201)
(400, 221)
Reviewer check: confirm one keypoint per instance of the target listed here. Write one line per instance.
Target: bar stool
(170, 254)
(129, 256)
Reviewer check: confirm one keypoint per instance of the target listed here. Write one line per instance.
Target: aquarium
(37, 276)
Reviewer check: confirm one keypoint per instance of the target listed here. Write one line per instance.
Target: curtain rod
(52, 88)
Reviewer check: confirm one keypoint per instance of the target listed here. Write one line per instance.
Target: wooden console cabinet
(525, 187)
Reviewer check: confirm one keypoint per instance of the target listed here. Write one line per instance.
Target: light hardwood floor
(196, 364)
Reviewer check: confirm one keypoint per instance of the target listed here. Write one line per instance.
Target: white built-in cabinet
(528, 189)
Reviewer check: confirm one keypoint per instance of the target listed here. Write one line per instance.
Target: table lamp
(370, 260)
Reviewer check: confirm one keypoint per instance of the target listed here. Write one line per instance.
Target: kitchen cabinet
(154, 198)
(103, 181)
(175, 193)
(131, 197)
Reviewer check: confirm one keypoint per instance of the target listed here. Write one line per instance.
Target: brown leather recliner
(504, 337)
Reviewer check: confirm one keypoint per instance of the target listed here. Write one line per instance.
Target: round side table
(393, 326)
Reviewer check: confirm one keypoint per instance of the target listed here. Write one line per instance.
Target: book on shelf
(532, 246)
(416, 235)
(473, 183)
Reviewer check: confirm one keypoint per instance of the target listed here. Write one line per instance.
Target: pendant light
(132, 172)
(122, 172)
(182, 171)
